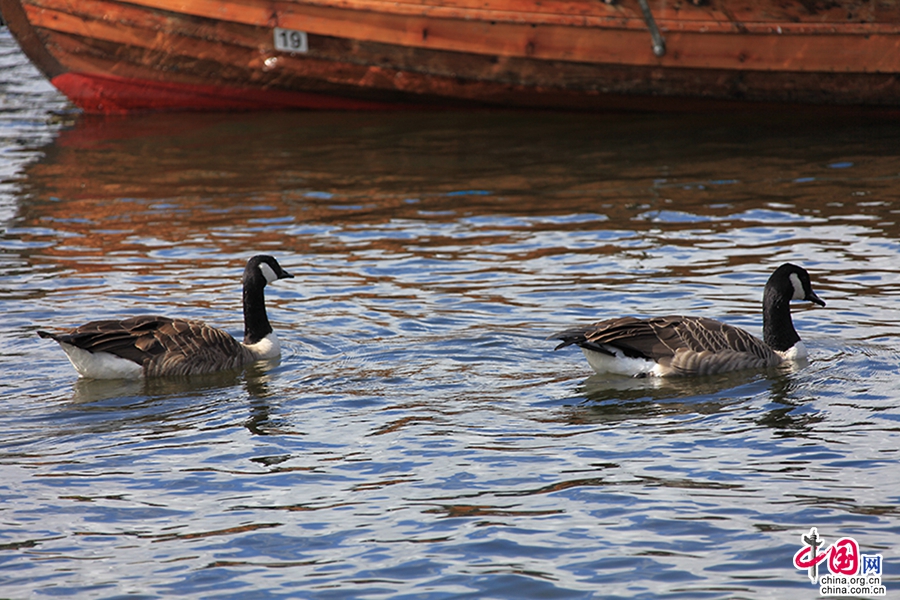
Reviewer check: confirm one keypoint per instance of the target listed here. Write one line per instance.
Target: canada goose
(676, 345)
(151, 346)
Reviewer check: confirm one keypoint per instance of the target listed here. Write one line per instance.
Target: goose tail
(576, 336)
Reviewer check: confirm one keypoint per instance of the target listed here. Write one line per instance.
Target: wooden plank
(718, 15)
(378, 59)
(613, 88)
(343, 67)
(266, 13)
(786, 52)
(286, 14)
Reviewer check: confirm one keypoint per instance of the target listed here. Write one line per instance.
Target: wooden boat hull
(111, 56)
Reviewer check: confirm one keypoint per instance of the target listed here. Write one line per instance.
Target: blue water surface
(420, 438)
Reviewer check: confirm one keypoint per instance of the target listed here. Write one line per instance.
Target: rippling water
(420, 438)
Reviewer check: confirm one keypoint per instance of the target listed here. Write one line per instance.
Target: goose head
(790, 282)
(263, 269)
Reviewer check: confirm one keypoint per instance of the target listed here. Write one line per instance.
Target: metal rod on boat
(659, 44)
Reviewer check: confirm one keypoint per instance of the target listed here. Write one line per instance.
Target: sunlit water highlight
(419, 437)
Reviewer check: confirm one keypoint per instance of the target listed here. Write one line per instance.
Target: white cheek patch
(799, 292)
(270, 275)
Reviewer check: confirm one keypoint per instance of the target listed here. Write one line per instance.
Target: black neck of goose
(778, 327)
(256, 322)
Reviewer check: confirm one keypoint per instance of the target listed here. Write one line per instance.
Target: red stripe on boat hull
(116, 95)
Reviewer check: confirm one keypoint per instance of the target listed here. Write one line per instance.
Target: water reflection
(417, 404)
(406, 200)
(97, 390)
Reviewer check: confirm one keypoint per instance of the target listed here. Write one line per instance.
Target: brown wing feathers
(685, 345)
(194, 348)
(132, 339)
(160, 344)
(635, 338)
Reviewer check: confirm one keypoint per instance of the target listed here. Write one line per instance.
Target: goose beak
(811, 296)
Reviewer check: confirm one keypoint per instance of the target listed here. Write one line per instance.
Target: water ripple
(420, 437)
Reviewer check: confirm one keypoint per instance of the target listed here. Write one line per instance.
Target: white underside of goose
(101, 365)
(621, 364)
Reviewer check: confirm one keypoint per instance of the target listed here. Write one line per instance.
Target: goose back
(671, 345)
(158, 345)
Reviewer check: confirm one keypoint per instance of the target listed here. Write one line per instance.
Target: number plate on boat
(290, 40)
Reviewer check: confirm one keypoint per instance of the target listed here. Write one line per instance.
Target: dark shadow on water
(599, 389)
(98, 405)
(158, 404)
(784, 417)
(606, 399)
(120, 392)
